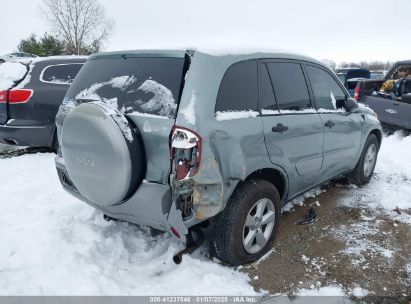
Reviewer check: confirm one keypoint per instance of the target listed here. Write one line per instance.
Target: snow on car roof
(38, 59)
(10, 73)
(212, 51)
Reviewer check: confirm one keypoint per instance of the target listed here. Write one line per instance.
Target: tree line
(369, 65)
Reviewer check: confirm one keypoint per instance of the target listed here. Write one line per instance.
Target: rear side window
(327, 93)
(148, 85)
(289, 85)
(60, 73)
(239, 88)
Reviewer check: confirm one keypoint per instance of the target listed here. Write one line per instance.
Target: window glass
(327, 93)
(239, 89)
(289, 85)
(61, 74)
(267, 98)
(147, 85)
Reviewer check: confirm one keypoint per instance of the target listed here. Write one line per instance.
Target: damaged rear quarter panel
(230, 155)
(231, 149)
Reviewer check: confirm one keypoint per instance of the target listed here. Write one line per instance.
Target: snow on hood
(10, 73)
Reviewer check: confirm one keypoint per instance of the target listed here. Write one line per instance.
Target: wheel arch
(377, 134)
(273, 176)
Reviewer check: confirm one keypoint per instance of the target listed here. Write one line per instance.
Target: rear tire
(362, 173)
(245, 230)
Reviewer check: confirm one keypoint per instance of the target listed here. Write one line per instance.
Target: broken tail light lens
(185, 152)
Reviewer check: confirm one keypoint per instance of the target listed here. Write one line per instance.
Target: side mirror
(351, 105)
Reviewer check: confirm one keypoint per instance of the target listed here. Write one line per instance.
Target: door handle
(279, 128)
(330, 124)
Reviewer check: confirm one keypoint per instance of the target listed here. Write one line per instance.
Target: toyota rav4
(176, 140)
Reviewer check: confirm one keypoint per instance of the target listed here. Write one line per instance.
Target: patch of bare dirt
(349, 247)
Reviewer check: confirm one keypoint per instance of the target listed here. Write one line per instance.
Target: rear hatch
(11, 74)
(146, 88)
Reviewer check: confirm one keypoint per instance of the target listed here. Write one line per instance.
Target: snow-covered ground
(51, 243)
(390, 187)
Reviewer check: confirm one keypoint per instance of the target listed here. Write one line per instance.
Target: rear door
(292, 127)
(11, 73)
(144, 88)
(342, 130)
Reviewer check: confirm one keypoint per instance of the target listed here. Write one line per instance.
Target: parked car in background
(31, 92)
(160, 139)
(16, 55)
(393, 106)
(377, 74)
(350, 77)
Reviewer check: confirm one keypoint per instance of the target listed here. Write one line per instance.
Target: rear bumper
(19, 134)
(149, 206)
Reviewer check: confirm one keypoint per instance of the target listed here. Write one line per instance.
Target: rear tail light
(357, 92)
(185, 152)
(16, 96)
(3, 96)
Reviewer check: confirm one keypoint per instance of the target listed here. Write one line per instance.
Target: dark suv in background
(29, 103)
(178, 140)
(393, 106)
(350, 77)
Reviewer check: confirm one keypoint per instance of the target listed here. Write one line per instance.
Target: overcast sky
(343, 30)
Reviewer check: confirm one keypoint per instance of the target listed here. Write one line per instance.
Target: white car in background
(16, 55)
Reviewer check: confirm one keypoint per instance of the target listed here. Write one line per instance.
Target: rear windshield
(144, 85)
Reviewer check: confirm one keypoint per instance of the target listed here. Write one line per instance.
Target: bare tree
(330, 63)
(81, 24)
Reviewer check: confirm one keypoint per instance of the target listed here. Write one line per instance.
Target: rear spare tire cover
(103, 154)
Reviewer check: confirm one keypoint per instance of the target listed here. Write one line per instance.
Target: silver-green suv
(175, 140)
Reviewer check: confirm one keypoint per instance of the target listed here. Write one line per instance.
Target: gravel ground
(349, 247)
